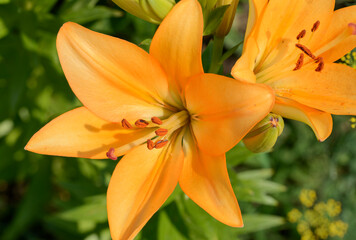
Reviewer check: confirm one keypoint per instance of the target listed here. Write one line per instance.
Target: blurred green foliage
(44, 197)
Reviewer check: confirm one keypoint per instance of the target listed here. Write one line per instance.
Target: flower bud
(264, 135)
(150, 10)
(228, 18)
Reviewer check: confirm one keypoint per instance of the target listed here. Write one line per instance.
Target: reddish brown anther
(320, 66)
(141, 123)
(301, 34)
(161, 143)
(150, 144)
(161, 132)
(156, 120)
(305, 50)
(315, 26)
(110, 154)
(299, 63)
(125, 124)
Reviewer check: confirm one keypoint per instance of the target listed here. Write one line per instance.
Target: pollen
(141, 123)
(125, 124)
(150, 144)
(110, 154)
(161, 143)
(305, 50)
(315, 26)
(301, 34)
(156, 120)
(161, 132)
(299, 63)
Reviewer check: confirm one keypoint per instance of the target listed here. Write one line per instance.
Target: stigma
(111, 154)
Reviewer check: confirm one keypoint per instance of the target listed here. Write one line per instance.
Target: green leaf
(259, 222)
(214, 19)
(167, 228)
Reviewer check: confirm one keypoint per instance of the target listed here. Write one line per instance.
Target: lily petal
(205, 180)
(340, 20)
(280, 23)
(113, 78)
(332, 90)
(79, 133)
(140, 184)
(178, 41)
(321, 122)
(224, 110)
(243, 68)
(256, 8)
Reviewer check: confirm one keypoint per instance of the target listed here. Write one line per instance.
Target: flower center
(162, 130)
(298, 58)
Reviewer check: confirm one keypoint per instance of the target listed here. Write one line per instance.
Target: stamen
(110, 154)
(161, 143)
(315, 26)
(125, 124)
(320, 66)
(301, 34)
(161, 132)
(305, 50)
(353, 28)
(156, 120)
(319, 59)
(150, 144)
(141, 123)
(299, 63)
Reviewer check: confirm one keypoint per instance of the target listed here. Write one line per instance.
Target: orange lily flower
(291, 46)
(173, 122)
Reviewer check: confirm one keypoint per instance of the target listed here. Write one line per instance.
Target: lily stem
(218, 47)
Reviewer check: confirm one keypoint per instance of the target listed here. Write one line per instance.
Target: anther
(161, 132)
(305, 50)
(301, 34)
(299, 63)
(161, 143)
(315, 26)
(125, 124)
(150, 144)
(353, 28)
(141, 123)
(156, 120)
(320, 66)
(110, 154)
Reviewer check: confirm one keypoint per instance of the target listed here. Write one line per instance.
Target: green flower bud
(228, 18)
(264, 135)
(150, 10)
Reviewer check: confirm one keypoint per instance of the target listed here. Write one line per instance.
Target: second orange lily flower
(172, 121)
(291, 46)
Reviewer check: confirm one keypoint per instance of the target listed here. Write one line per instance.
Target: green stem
(218, 47)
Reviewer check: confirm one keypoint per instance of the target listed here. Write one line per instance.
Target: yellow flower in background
(349, 59)
(318, 221)
(333, 208)
(172, 121)
(338, 228)
(307, 197)
(150, 10)
(294, 215)
(291, 46)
